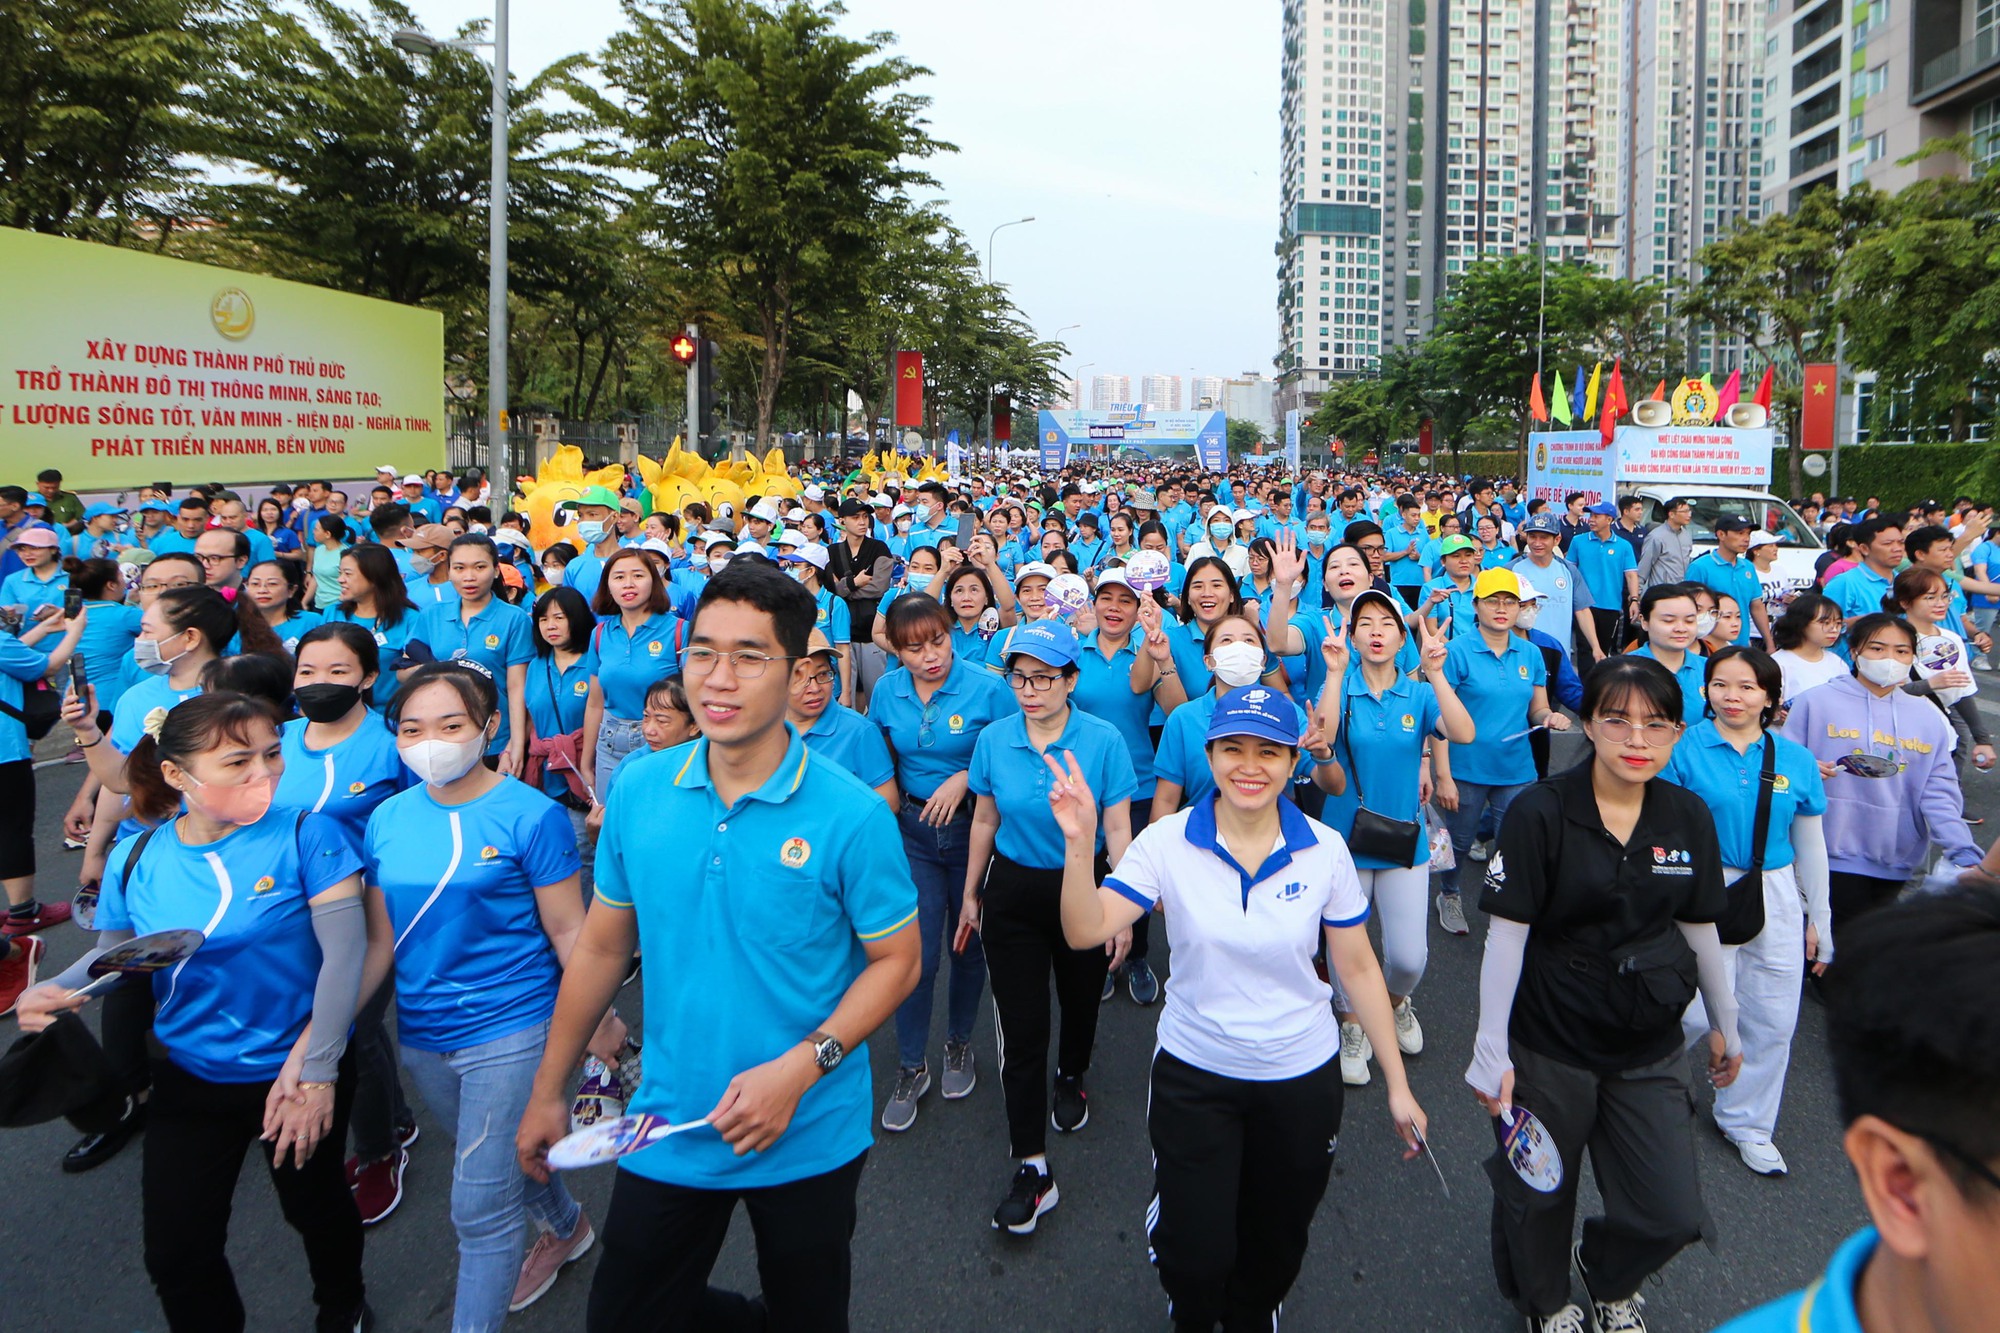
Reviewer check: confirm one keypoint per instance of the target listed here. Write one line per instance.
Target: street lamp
(498, 462)
(1017, 222)
(1058, 339)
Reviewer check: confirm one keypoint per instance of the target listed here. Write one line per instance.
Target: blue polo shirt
(25, 588)
(1857, 592)
(22, 664)
(629, 662)
(1183, 753)
(289, 630)
(427, 594)
(832, 618)
(106, 645)
(1380, 744)
(346, 780)
(1563, 590)
(1738, 579)
(847, 738)
(1456, 615)
(556, 700)
(498, 635)
(473, 962)
(389, 643)
(751, 945)
(1395, 537)
(1497, 689)
(932, 741)
(1827, 1306)
(1604, 562)
(1692, 678)
(231, 1012)
(1501, 556)
(168, 541)
(1104, 689)
(1007, 768)
(1709, 766)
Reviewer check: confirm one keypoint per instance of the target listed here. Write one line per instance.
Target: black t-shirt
(1559, 872)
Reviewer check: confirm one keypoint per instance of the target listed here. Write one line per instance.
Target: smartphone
(967, 525)
(72, 602)
(79, 674)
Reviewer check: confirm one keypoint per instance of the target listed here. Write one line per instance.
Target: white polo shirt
(1243, 1000)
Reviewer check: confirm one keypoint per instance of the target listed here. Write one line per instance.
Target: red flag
(1763, 398)
(1822, 391)
(1003, 418)
(1538, 408)
(1659, 394)
(1730, 394)
(909, 389)
(1424, 430)
(1614, 403)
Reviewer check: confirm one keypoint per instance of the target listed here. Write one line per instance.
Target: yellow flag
(1590, 394)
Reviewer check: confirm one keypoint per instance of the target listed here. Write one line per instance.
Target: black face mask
(326, 702)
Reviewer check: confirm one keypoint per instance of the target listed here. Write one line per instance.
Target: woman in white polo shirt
(1246, 1092)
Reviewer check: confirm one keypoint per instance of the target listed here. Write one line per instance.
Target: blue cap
(101, 510)
(1604, 507)
(1257, 710)
(1544, 522)
(160, 505)
(1050, 641)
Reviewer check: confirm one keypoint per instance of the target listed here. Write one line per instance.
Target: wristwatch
(827, 1051)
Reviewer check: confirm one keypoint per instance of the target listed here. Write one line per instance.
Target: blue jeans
(1474, 799)
(937, 863)
(480, 1094)
(616, 738)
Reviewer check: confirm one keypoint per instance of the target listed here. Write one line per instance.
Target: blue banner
(1134, 426)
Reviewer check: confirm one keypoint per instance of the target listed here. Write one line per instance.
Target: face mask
(326, 702)
(923, 513)
(592, 531)
(1704, 625)
(1239, 664)
(1219, 530)
(146, 653)
(903, 524)
(1525, 617)
(421, 566)
(1317, 540)
(716, 562)
(1882, 671)
(241, 804)
(441, 763)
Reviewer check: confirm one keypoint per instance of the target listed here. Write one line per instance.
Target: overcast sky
(1146, 151)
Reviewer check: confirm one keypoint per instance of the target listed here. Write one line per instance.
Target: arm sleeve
(341, 927)
(1716, 991)
(1810, 868)
(1499, 978)
(1942, 808)
(1568, 685)
(78, 973)
(1968, 709)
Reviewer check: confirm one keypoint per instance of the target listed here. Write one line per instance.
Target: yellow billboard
(120, 368)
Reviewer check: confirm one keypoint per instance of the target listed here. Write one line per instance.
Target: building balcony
(1967, 72)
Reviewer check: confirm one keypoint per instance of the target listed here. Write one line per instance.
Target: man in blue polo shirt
(770, 893)
(1727, 569)
(1859, 591)
(1610, 571)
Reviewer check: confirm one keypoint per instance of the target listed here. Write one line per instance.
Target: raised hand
(1431, 648)
(1333, 649)
(1070, 800)
(1288, 564)
(1157, 646)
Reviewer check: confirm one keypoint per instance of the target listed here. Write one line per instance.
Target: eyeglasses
(1651, 734)
(212, 559)
(820, 678)
(1039, 684)
(165, 587)
(746, 664)
(924, 724)
(1973, 1164)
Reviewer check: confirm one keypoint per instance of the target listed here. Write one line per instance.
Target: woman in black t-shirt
(858, 567)
(1602, 894)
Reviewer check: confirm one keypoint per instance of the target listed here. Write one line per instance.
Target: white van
(1799, 546)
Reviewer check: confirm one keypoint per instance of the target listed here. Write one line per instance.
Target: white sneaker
(1763, 1158)
(1476, 852)
(1569, 1319)
(1409, 1032)
(1618, 1316)
(1355, 1053)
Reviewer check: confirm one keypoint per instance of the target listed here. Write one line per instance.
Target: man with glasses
(1916, 1069)
(774, 905)
(223, 555)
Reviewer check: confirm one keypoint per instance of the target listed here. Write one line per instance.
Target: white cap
(656, 544)
(1088, 488)
(796, 516)
(815, 494)
(765, 510)
(1117, 576)
(747, 547)
(812, 553)
(387, 467)
(880, 502)
(1034, 569)
(509, 537)
(1764, 539)
(1530, 593)
(789, 537)
(412, 480)
(900, 511)
(1241, 514)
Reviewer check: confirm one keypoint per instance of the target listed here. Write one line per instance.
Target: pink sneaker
(546, 1258)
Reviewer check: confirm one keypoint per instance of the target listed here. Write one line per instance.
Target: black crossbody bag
(1742, 919)
(1375, 836)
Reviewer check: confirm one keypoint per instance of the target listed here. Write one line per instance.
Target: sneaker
(378, 1186)
(361, 1321)
(1763, 1158)
(546, 1258)
(73, 844)
(631, 1068)
(631, 972)
(1569, 1319)
(900, 1112)
(45, 915)
(1478, 851)
(1140, 982)
(1620, 1316)
(1451, 914)
(1032, 1194)
(961, 1072)
(597, 1097)
(1072, 1108)
(407, 1135)
(1355, 1052)
(1409, 1032)
(17, 974)
(1110, 987)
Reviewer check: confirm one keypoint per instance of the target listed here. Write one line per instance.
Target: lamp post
(1017, 222)
(499, 470)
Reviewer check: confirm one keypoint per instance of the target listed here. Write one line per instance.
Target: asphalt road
(1389, 1250)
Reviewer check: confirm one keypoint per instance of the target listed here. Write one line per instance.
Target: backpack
(41, 705)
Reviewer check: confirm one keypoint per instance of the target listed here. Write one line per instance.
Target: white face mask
(441, 763)
(1882, 671)
(1525, 617)
(554, 575)
(1238, 664)
(1704, 625)
(716, 562)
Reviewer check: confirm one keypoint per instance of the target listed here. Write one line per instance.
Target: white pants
(1767, 973)
(1402, 901)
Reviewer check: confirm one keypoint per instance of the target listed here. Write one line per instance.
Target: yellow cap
(1493, 582)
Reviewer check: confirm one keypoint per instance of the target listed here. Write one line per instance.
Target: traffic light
(684, 349)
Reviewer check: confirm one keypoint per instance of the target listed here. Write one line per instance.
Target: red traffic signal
(684, 349)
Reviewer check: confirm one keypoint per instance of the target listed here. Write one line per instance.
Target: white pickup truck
(1798, 545)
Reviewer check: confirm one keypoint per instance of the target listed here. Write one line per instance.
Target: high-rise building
(1069, 397)
(1252, 397)
(1586, 85)
(1161, 391)
(1108, 389)
(1205, 393)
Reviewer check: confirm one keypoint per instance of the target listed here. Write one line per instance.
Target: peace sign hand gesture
(1431, 648)
(1070, 800)
(1288, 564)
(1334, 650)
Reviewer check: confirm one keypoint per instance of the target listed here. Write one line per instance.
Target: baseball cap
(509, 537)
(1034, 569)
(1543, 522)
(430, 535)
(765, 510)
(1530, 593)
(1116, 578)
(812, 553)
(1259, 712)
(876, 502)
(38, 537)
(1764, 539)
(510, 574)
(1732, 523)
(815, 493)
(656, 544)
(1604, 507)
(1050, 641)
(900, 511)
(389, 468)
(157, 506)
(595, 495)
(1144, 500)
(1387, 603)
(101, 510)
(852, 508)
(413, 480)
(1493, 582)
(749, 547)
(817, 643)
(1454, 544)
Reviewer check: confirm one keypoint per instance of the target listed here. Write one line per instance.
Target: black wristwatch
(827, 1051)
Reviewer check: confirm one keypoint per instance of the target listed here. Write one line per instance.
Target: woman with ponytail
(254, 1023)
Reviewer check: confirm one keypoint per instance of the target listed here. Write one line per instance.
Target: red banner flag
(1763, 398)
(1822, 392)
(1003, 418)
(1424, 437)
(909, 389)
(1538, 408)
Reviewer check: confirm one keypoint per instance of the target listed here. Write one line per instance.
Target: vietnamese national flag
(1821, 392)
(909, 389)
(1763, 398)
(1003, 418)
(1730, 394)
(1537, 409)
(1615, 405)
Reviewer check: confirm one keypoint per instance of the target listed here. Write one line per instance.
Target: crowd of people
(432, 796)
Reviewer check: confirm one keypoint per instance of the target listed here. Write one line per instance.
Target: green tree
(1244, 435)
(1365, 414)
(95, 118)
(767, 141)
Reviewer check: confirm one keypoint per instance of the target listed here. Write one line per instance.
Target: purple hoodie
(1882, 827)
